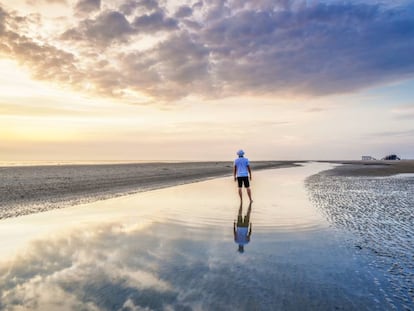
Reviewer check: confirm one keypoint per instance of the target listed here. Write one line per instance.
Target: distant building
(367, 158)
(391, 157)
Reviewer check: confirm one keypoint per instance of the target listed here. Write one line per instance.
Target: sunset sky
(197, 80)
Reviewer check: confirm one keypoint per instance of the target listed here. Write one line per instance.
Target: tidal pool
(174, 249)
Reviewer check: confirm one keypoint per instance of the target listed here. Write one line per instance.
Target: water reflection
(172, 249)
(162, 267)
(242, 229)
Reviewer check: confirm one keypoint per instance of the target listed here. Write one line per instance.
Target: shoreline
(374, 168)
(31, 189)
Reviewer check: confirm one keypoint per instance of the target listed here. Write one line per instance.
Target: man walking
(242, 173)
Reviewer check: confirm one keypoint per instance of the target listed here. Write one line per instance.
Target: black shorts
(243, 222)
(243, 180)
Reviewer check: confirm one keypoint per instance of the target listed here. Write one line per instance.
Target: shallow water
(379, 212)
(173, 249)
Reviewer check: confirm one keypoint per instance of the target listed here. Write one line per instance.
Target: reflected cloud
(85, 271)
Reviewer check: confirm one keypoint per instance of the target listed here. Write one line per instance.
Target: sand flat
(372, 168)
(31, 189)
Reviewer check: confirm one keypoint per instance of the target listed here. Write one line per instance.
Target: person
(243, 228)
(242, 173)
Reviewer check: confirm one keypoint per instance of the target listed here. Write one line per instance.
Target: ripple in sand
(379, 212)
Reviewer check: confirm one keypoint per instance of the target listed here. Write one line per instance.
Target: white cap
(240, 153)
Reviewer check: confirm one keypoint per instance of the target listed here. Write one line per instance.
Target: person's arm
(250, 171)
(234, 172)
(234, 230)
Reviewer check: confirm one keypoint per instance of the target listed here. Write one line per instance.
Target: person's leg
(240, 184)
(240, 215)
(246, 183)
(249, 193)
(249, 211)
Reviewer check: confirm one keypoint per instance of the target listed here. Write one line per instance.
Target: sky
(153, 80)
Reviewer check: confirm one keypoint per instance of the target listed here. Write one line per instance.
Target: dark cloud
(314, 50)
(128, 7)
(107, 27)
(88, 6)
(169, 69)
(217, 9)
(154, 22)
(183, 11)
(191, 25)
(226, 48)
(198, 5)
(113, 26)
(148, 4)
(3, 16)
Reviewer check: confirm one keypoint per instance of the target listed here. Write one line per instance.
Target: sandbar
(31, 189)
(372, 168)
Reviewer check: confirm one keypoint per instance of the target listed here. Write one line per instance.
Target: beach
(30, 189)
(373, 201)
(372, 168)
(173, 248)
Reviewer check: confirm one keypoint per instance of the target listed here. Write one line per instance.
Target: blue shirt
(242, 235)
(241, 164)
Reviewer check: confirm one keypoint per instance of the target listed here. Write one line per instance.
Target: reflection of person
(242, 173)
(243, 228)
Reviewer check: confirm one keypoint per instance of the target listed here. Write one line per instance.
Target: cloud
(109, 26)
(130, 6)
(57, 1)
(159, 267)
(183, 11)
(226, 48)
(81, 270)
(404, 112)
(45, 61)
(316, 50)
(3, 15)
(113, 26)
(79, 276)
(36, 2)
(406, 133)
(87, 6)
(169, 70)
(154, 22)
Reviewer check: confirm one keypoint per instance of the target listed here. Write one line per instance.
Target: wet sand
(173, 249)
(374, 202)
(30, 189)
(372, 168)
